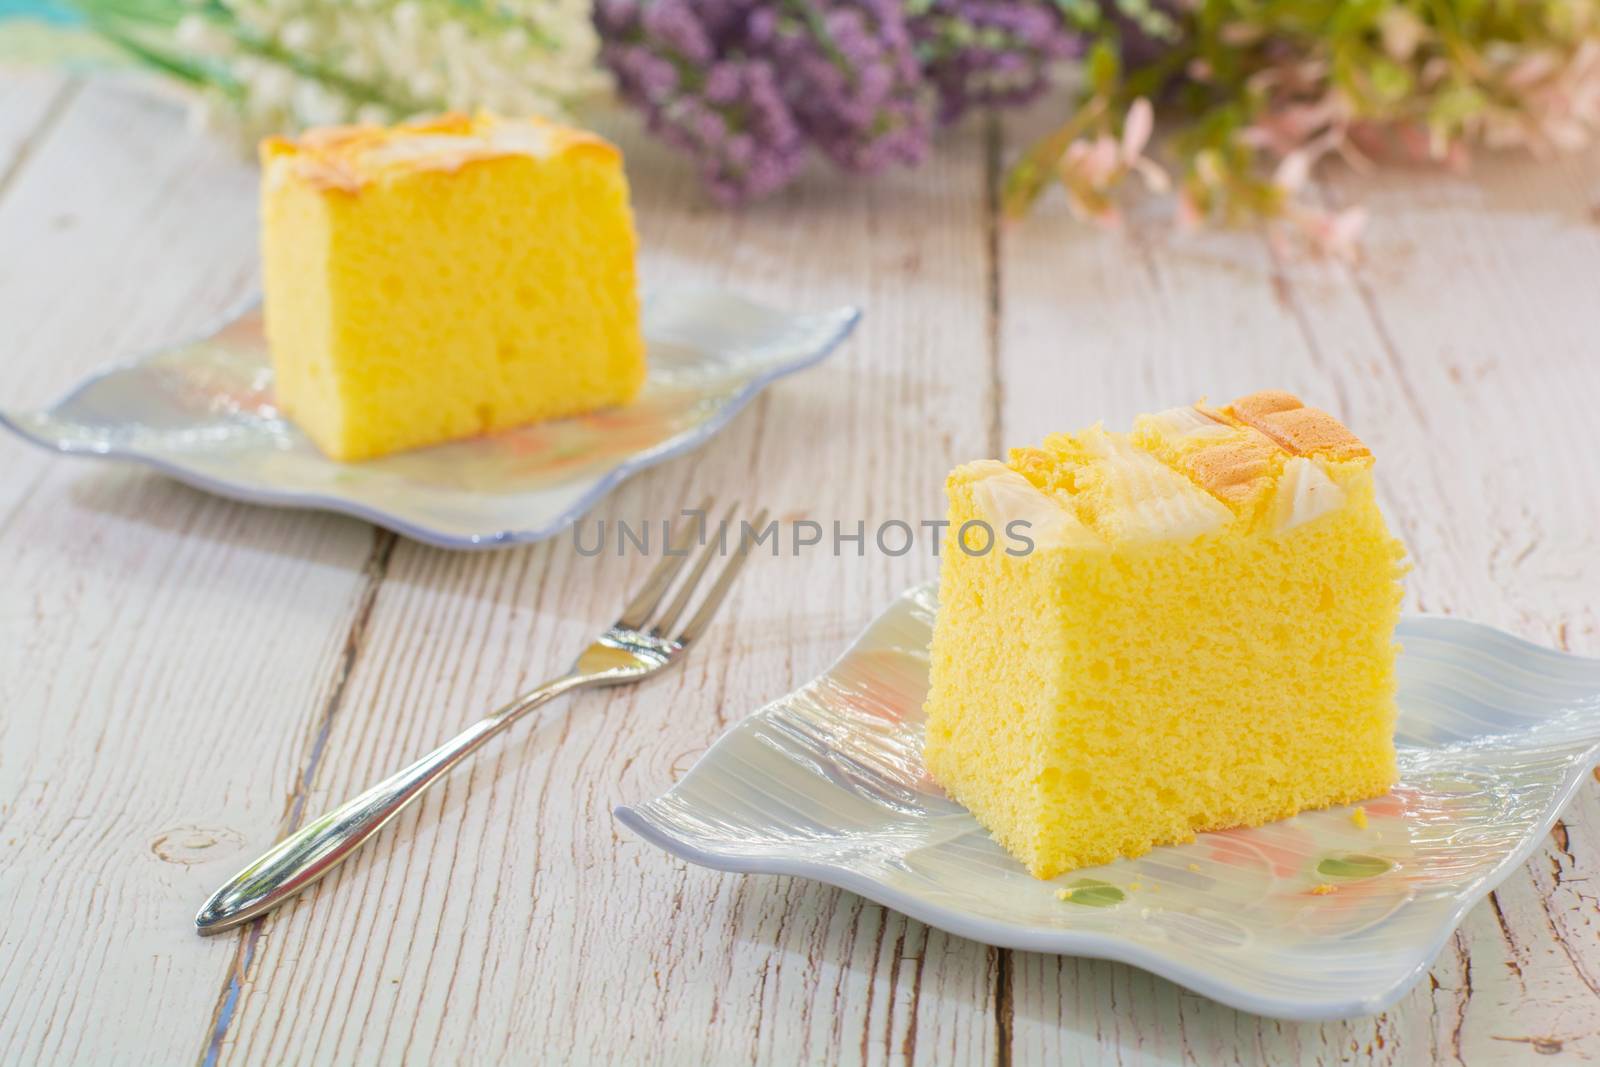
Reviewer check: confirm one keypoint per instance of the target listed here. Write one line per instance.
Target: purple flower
(749, 86)
(849, 69)
(725, 111)
(984, 53)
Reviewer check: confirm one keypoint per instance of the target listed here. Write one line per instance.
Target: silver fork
(633, 648)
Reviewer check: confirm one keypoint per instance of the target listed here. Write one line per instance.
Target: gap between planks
(252, 1020)
(993, 151)
(60, 100)
(374, 571)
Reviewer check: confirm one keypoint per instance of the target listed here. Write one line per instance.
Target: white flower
(426, 86)
(379, 60)
(357, 66)
(196, 32)
(452, 35)
(298, 35)
(271, 86)
(514, 39)
(408, 17)
(315, 105)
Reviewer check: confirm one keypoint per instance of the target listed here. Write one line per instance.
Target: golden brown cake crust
(347, 158)
(1296, 428)
(1233, 470)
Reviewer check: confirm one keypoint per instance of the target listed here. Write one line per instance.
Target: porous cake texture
(1201, 637)
(447, 278)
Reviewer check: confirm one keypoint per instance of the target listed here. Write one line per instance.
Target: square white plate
(202, 412)
(1495, 735)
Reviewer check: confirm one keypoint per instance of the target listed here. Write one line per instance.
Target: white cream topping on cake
(1148, 500)
(1304, 492)
(1186, 424)
(501, 138)
(1003, 496)
(351, 157)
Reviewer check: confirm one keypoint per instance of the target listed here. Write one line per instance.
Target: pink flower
(1402, 32)
(1093, 168)
(1336, 234)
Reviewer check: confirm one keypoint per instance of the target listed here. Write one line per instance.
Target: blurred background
(1249, 96)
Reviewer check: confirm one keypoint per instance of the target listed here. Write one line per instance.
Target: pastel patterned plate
(1315, 917)
(202, 412)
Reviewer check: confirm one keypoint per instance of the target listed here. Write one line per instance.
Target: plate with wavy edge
(202, 412)
(1494, 736)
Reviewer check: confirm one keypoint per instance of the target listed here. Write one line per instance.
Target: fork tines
(640, 611)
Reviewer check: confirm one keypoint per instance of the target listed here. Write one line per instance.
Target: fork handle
(309, 853)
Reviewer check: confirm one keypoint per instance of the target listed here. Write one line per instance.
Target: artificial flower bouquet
(1249, 94)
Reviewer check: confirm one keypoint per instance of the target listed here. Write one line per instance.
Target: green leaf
(1392, 82)
(1104, 68)
(1094, 894)
(1027, 179)
(1353, 865)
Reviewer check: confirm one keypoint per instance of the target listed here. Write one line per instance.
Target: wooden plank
(508, 913)
(98, 271)
(167, 654)
(31, 99)
(181, 660)
(1479, 306)
(1460, 354)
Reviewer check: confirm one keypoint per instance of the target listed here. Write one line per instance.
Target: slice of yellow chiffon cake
(447, 278)
(1201, 637)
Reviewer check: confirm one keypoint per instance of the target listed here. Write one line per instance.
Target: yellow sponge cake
(1185, 628)
(442, 279)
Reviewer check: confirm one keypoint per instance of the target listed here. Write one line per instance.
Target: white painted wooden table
(183, 678)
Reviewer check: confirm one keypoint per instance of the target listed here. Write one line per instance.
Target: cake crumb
(1359, 817)
(1322, 890)
(1134, 886)
(1195, 867)
(1063, 894)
